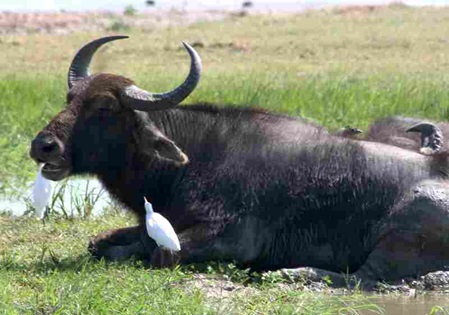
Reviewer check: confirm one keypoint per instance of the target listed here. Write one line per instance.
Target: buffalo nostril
(49, 147)
(44, 147)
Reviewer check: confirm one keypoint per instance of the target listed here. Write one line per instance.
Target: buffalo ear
(152, 142)
(167, 149)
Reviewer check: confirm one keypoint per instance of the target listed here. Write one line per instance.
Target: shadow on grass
(49, 262)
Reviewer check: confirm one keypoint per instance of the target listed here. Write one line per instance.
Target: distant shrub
(130, 10)
(119, 26)
(247, 4)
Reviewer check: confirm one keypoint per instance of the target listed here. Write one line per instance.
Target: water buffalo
(264, 190)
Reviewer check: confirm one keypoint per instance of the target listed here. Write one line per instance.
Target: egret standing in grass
(41, 194)
(160, 230)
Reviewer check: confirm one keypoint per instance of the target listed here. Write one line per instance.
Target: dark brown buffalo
(264, 190)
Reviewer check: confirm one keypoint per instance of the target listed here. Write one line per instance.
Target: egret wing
(160, 229)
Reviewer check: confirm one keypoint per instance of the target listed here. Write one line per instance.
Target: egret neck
(148, 206)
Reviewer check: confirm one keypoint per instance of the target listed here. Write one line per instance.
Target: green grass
(336, 67)
(26, 105)
(45, 269)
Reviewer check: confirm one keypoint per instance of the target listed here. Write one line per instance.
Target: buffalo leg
(405, 254)
(196, 246)
(415, 238)
(411, 242)
(122, 244)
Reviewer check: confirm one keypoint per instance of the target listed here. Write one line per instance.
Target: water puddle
(426, 304)
(74, 197)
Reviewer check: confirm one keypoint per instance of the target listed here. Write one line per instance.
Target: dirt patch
(219, 290)
(12, 23)
(63, 22)
(235, 46)
(359, 11)
(216, 287)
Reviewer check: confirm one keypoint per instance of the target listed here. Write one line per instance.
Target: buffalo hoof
(164, 258)
(115, 253)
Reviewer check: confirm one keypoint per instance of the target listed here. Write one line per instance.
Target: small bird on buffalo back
(160, 230)
(348, 132)
(41, 193)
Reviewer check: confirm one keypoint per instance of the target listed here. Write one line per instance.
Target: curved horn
(79, 69)
(138, 99)
(431, 137)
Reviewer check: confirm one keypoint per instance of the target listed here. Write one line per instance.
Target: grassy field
(45, 269)
(338, 67)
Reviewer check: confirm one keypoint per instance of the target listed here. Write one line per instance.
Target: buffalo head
(105, 118)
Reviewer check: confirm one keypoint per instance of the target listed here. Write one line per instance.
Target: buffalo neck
(183, 126)
(203, 131)
(155, 179)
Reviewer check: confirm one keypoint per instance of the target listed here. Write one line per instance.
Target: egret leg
(44, 215)
(164, 258)
(161, 262)
(172, 258)
(196, 246)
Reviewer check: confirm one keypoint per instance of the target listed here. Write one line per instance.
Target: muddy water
(409, 305)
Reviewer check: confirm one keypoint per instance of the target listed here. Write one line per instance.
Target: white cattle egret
(160, 230)
(41, 194)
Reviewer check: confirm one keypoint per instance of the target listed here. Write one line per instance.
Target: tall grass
(26, 105)
(71, 199)
(85, 288)
(438, 310)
